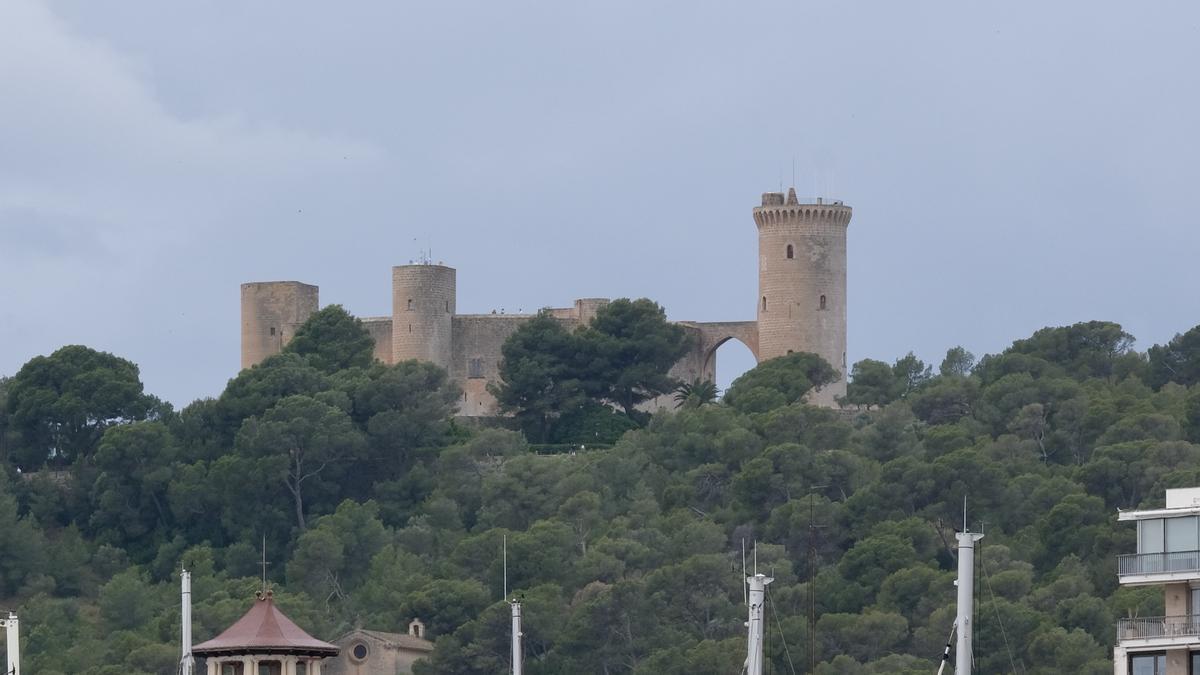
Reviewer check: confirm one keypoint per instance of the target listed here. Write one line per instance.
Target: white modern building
(1168, 555)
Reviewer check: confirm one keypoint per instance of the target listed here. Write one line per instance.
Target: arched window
(410, 304)
(790, 252)
(822, 302)
(447, 306)
(764, 303)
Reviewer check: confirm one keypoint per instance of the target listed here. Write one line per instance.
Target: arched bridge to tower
(716, 333)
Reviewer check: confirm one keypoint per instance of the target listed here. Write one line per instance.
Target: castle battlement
(777, 209)
(801, 307)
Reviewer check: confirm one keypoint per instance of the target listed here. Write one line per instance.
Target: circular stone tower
(271, 313)
(802, 282)
(422, 313)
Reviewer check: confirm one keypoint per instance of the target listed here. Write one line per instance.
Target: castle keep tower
(271, 313)
(422, 313)
(802, 282)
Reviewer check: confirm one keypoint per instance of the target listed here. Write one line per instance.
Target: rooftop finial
(266, 590)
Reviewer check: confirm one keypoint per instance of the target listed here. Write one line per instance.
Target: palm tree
(696, 393)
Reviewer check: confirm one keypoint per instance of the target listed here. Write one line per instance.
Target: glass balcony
(1159, 630)
(1158, 566)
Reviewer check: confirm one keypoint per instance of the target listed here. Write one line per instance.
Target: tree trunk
(297, 498)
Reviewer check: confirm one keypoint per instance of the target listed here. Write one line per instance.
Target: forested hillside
(377, 506)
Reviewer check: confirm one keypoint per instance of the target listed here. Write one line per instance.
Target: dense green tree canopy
(872, 383)
(307, 444)
(1177, 361)
(630, 347)
(958, 362)
(332, 340)
(60, 405)
(778, 382)
(377, 506)
(542, 374)
(621, 358)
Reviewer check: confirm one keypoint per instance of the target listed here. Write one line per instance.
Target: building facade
(372, 652)
(1168, 556)
(801, 307)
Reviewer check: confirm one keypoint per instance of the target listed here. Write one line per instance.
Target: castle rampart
(801, 307)
(380, 328)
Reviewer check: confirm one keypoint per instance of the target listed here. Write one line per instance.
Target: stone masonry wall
(475, 359)
(802, 298)
(423, 305)
(271, 313)
(380, 328)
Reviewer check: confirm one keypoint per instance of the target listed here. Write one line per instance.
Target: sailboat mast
(966, 600)
(12, 627)
(754, 624)
(518, 655)
(186, 661)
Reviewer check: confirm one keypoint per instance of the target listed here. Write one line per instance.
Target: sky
(1010, 165)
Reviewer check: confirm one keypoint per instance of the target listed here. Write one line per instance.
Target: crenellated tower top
(778, 209)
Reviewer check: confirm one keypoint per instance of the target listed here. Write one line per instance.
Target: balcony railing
(1158, 563)
(1160, 627)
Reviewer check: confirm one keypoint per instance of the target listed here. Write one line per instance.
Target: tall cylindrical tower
(271, 313)
(802, 282)
(422, 313)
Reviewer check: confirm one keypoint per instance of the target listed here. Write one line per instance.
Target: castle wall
(801, 307)
(423, 306)
(693, 366)
(475, 358)
(478, 349)
(271, 313)
(802, 298)
(380, 328)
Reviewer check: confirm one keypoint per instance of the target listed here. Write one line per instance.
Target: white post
(966, 600)
(13, 628)
(518, 655)
(186, 661)
(754, 642)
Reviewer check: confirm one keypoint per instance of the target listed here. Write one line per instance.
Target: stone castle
(801, 307)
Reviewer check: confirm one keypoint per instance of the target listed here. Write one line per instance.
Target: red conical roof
(264, 630)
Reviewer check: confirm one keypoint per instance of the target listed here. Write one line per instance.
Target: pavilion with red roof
(264, 642)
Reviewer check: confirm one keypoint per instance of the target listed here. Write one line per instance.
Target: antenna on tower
(504, 554)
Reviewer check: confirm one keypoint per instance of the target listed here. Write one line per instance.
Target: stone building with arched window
(372, 652)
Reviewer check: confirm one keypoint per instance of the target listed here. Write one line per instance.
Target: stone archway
(714, 334)
(699, 363)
